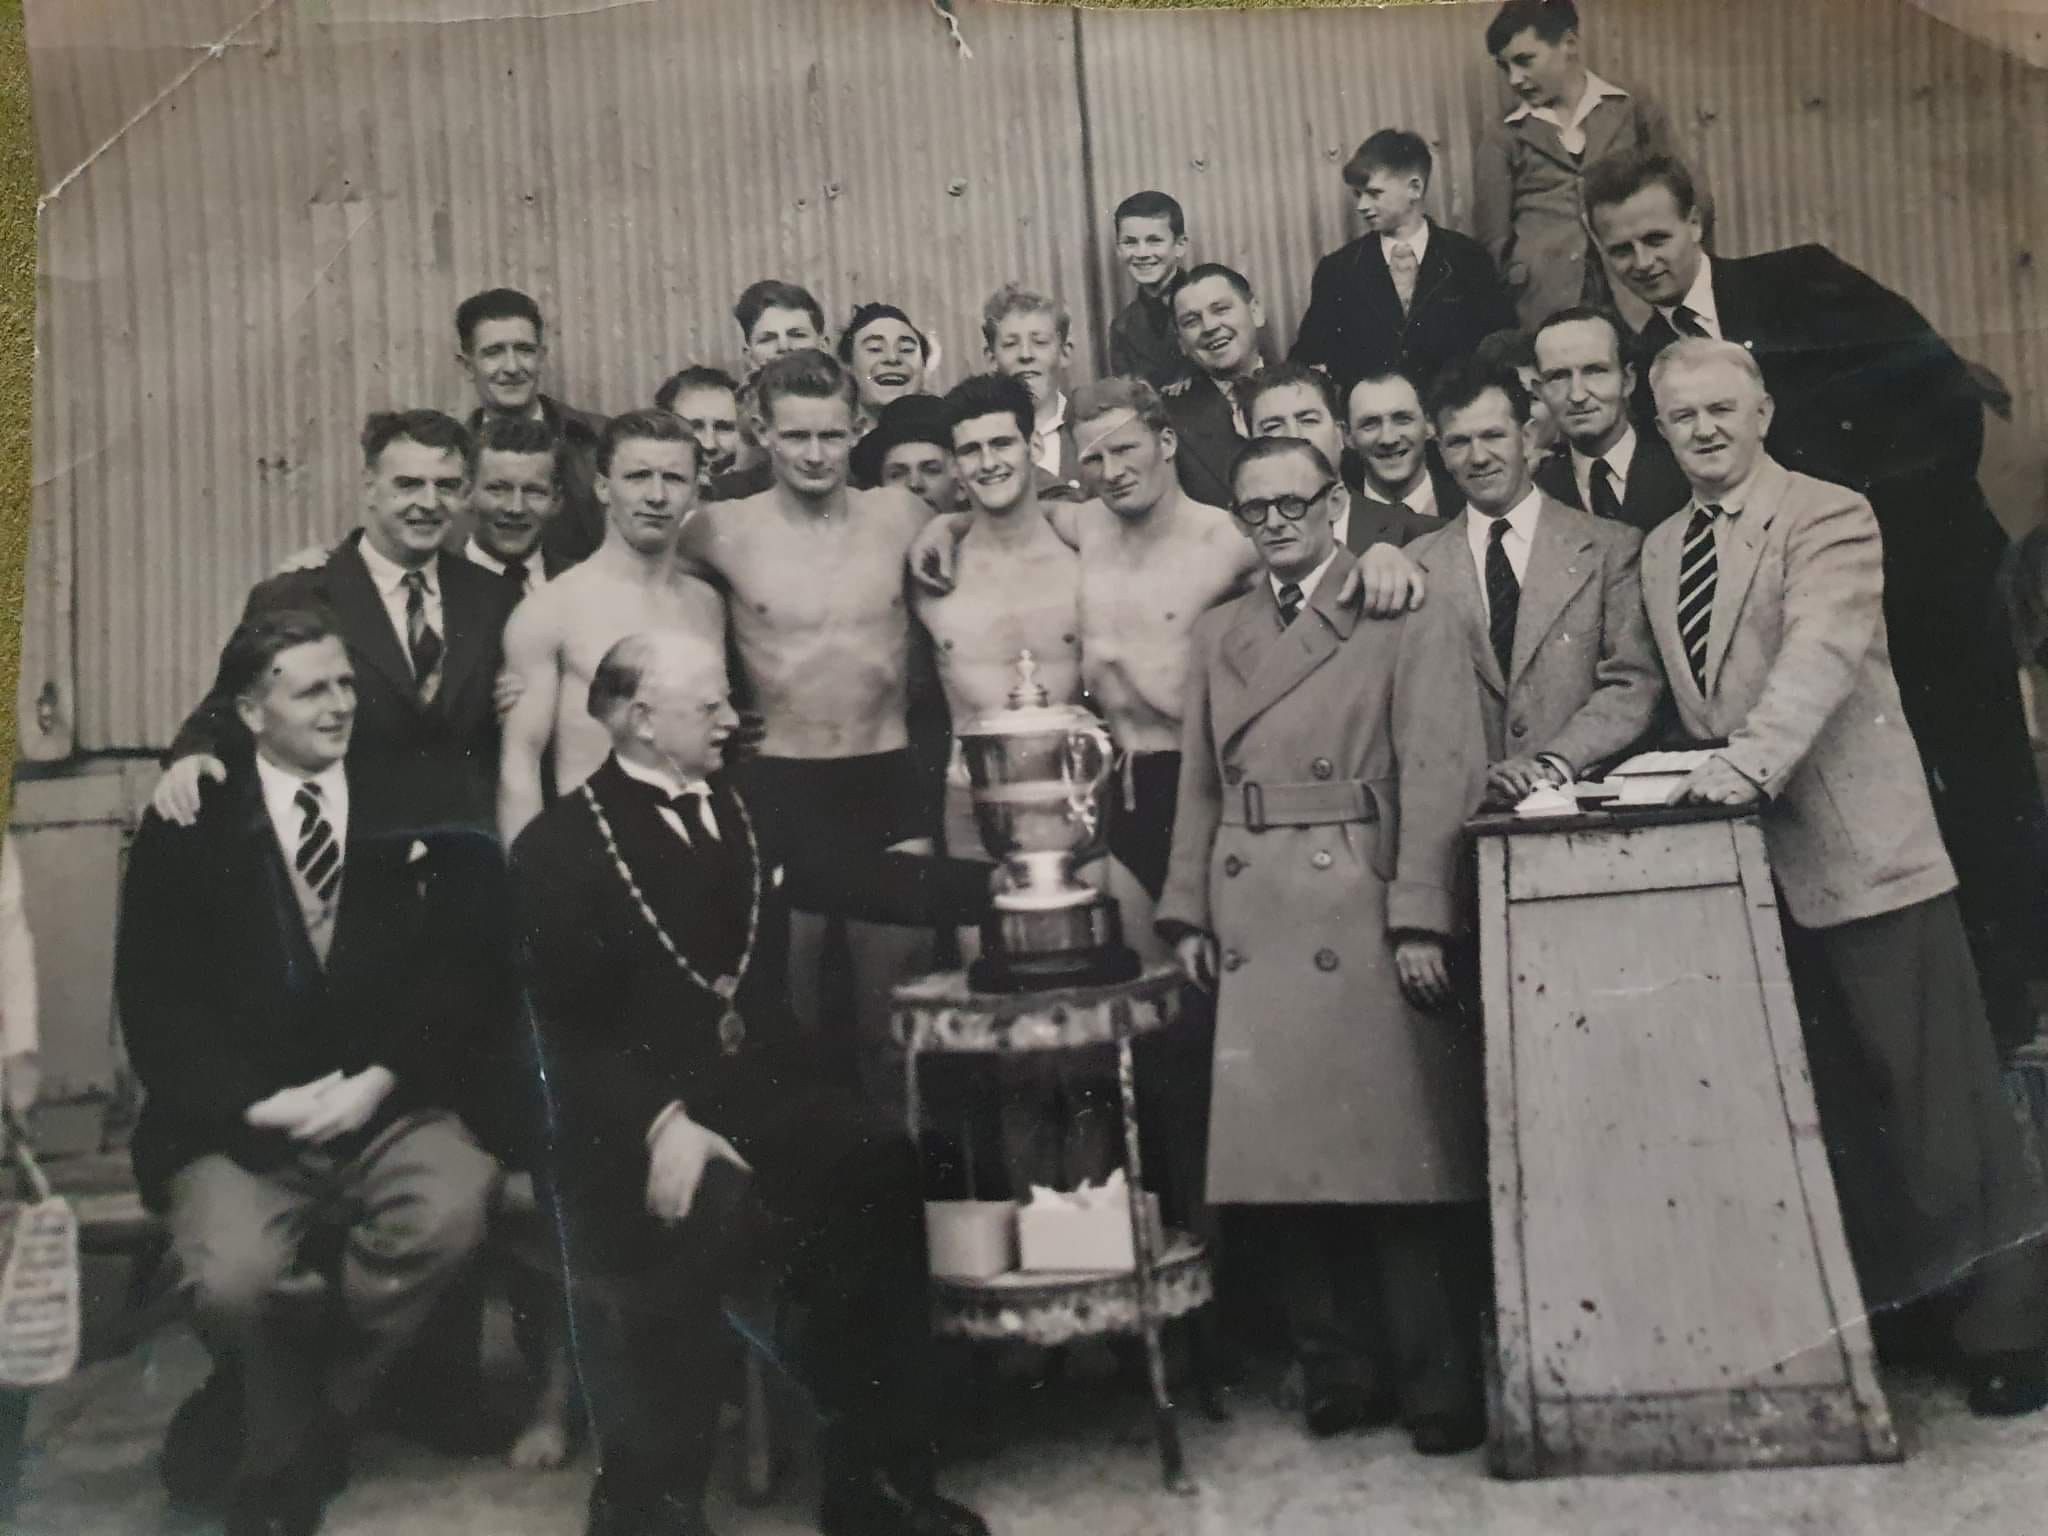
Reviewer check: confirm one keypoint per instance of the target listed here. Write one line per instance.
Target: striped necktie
(318, 859)
(420, 638)
(1698, 569)
(1290, 603)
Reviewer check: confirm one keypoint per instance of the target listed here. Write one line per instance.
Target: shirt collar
(1417, 242)
(478, 555)
(389, 576)
(1618, 458)
(1520, 518)
(1733, 502)
(1699, 298)
(1597, 91)
(661, 779)
(1055, 418)
(281, 786)
(1422, 499)
(1308, 583)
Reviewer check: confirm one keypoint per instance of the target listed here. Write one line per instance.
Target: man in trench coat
(1328, 765)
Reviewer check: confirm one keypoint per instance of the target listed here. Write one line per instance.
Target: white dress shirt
(1521, 521)
(1700, 300)
(1422, 499)
(389, 579)
(1571, 131)
(280, 790)
(1045, 436)
(1417, 242)
(1308, 583)
(671, 786)
(536, 570)
(1618, 458)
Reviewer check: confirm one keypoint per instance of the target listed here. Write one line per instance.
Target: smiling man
(1388, 431)
(502, 347)
(886, 354)
(1609, 468)
(1869, 396)
(708, 401)
(1289, 400)
(514, 496)
(1218, 318)
(1152, 243)
(422, 627)
(634, 584)
(1027, 338)
(911, 446)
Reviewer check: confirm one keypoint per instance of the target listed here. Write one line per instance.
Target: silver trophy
(1038, 772)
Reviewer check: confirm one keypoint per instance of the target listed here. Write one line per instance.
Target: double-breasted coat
(1329, 1086)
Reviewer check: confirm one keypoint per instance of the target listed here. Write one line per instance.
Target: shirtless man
(812, 573)
(647, 483)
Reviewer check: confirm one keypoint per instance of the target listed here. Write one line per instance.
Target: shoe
(283, 1505)
(1338, 1410)
(203, 1444)
(2005, 1385)
(876, 1505)
(1448, 1434)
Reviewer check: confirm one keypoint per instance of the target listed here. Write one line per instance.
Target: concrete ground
(1076, 1457)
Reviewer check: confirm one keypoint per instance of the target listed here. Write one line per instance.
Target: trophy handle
(1084, 782)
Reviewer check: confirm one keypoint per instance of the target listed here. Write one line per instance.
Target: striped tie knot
(1290, 602)
(318, 859)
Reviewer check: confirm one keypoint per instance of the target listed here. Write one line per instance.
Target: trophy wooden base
(1028, 951)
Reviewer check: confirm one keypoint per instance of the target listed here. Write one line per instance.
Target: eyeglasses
(1253, 514)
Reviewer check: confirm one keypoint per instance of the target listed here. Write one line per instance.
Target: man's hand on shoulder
(177, 793)
(680, 1152)
(1386, 581)
(934, 553)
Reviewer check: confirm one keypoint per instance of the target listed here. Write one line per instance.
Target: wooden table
(1672, 1283)
(939, 1013)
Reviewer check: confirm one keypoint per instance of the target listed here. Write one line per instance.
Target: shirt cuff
(673, 1111)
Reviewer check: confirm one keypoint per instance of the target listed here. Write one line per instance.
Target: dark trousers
(1381, 1297)
(413, 1203)
(833, 1215)
(1928, 1158)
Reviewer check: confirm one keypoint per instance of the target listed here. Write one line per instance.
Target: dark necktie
(318, 859)
(515, 572)
(1503, 596)
(420, 639)
(693, 810)
(1605, 502)
(1698, 569)
(1290, 603)
(1686, 322)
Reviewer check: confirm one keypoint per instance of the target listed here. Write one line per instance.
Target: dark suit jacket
(223, 1000)
(1870, 397)
(1450, 501)
(1207, 434)
(624, 1031)
(1144, 344)
(1354, 324)
(1656, 486)
(578, 528)
(421, 766)
(1375, 522)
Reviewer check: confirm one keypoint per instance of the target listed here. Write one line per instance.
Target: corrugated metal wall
(278, 243)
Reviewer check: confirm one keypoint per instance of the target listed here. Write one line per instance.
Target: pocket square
(775, 878)
(416, 852)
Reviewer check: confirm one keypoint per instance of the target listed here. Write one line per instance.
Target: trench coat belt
(1318, 803)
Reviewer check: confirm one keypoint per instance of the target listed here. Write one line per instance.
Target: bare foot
(541, 1446)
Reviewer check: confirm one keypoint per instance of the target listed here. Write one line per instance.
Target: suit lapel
(1450, 560)
(1544, 139)
(1562, 559)
(1736, 557)
(360, 611)
(465, 618)
(1603, 125)
(1282, 659)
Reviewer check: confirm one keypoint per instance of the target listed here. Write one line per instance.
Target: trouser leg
(237, 1237)
(1301, 1249)
(1432, 1262)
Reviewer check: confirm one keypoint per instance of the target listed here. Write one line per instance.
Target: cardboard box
(1095, 1236)
(971, 1239)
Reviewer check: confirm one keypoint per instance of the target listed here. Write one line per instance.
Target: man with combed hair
(1328, 765)
(774, 317)
(634, 584)
(1867, 395)
(1607, 467)
(812, 573)
(1026, 336)
(502, 347)
(1551, 598)
(302, 993)
(1152, 243)
(514, 498)
(1288, 400)
(422, 627)
(1408, 293)
(1218, 318)
(1388, 430)
(696, 1134)
(708, 401)
(1766, 596)
(886, 354)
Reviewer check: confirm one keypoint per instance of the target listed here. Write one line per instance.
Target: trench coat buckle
(1254, 807)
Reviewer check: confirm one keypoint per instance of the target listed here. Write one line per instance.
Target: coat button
(1233, 774)
(1519, 729)
(1232, 959)
(1326, 959)
(1232, 864)
(1322, 859)
(1321, 768)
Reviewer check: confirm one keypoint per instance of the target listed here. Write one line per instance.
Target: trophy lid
(1030, 709)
